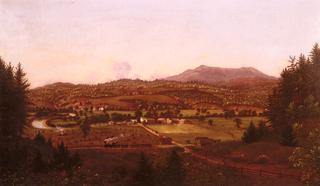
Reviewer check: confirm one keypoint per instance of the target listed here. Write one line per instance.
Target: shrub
(250, 135)
(288, 137)
(263, 159)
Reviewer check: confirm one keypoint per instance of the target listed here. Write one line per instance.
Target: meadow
(222, 129)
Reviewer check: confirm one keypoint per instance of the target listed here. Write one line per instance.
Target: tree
(262, 129)
(307, 158)
(297, 93)
(22, 86)
(40, 139)
(85, 127)
(144, 175)
(174, 173)
(38, 164)
(138, 115)
(210, 122)
(250, 135)
(238, 122)
(288, 136)
(63, 160)
(13, 102)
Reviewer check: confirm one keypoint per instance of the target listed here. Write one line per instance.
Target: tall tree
(13, 99)
(22, 86)
(174, 173)
(145, 173)
(298, 90)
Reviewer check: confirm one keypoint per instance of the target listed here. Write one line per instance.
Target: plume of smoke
(121, 69)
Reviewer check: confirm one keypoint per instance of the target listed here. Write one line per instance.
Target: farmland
(74, 138)
(221, 129)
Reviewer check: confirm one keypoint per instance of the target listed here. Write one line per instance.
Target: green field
(63, 123)
(222, 129)
(192, 112)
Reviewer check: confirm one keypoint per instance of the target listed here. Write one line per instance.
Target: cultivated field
(74, 137)
(222, 129)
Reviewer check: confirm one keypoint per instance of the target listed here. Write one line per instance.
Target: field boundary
(241, 169)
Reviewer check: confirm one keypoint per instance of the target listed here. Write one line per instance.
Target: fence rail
(244, 170)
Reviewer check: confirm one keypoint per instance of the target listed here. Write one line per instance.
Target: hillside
(217, 75)
(129, 94)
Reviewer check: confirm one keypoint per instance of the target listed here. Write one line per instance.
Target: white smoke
(121, 69)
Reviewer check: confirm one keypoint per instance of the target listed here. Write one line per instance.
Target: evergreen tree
(85, 127)
(145, 173)
(13, 99)
(60, 156)
(22, 86)
(38, 164)
(250, 135)
(238, 122)
(138, 115)
(174, 173)
(288, 136)
(297, 96)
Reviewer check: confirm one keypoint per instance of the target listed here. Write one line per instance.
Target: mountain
(216, 74)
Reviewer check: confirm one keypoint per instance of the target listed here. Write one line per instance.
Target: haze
(97, 41)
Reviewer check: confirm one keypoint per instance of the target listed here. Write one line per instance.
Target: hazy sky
(91, 41)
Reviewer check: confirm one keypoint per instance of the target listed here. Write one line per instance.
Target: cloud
(121, 69)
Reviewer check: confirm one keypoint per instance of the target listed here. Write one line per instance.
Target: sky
(94, 41)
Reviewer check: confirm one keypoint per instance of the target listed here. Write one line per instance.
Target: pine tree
(13, 101)
(38, 164)
(145, 173)
(250, 135)
(174, 173)
(298, 87)
(22, 86)
(288, 136)
(85, 127)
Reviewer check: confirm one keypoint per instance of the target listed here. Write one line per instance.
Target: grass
(222, 129)
(192, 112)
(63, 123)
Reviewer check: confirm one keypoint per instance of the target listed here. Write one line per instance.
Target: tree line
(294, 112)
(296, 98)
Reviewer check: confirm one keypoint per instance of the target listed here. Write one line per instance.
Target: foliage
(238, 122)
(38, 164)
(85, 127)
(13, 99)
(210, 122)
(307, 158)
(145, 173)
(40, 139)
(63, 160)
(250, 135)
(288, 136)
(297, 96)
(174, 173)
(138, 115)
(118, 117)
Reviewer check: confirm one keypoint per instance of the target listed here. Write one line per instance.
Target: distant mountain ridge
(217, 74)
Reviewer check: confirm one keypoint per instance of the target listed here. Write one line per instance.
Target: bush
(250, 135)
(40, 139)
(38, 164)
(288, 137)
(263, 159)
